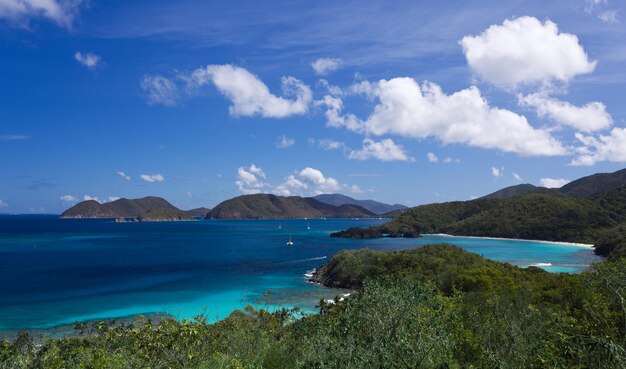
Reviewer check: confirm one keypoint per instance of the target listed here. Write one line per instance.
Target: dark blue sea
(55, 272)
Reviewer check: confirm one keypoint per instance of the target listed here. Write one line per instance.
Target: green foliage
(266, 206)
(544, 215)
(434, 307)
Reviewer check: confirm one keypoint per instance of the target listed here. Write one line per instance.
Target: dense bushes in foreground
(414, 314)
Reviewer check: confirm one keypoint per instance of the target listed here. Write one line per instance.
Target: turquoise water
(55, 272)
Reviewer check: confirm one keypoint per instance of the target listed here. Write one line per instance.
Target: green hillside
(597, 218)
(266, 206)
(149, 208)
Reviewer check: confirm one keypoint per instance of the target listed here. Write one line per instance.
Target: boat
(290, 242)
(308, 226)
(280, 226)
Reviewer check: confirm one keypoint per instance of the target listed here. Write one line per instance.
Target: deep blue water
(55, 272)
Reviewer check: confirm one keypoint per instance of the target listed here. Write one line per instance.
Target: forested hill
(597, 218)
(266, 206)
(149, 208)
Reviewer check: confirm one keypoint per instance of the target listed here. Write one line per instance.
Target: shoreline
(575, 244)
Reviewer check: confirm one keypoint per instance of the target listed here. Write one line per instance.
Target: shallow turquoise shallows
(55, 272)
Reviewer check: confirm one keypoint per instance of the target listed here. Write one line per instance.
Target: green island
(432, 307)
(590, 210)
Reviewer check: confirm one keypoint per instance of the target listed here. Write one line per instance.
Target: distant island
(257, 206)
(589, 210)
(146, 209)
(266, 206)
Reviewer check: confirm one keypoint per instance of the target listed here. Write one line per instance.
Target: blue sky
(405, 102)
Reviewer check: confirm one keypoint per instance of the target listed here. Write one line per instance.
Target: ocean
(55, 272)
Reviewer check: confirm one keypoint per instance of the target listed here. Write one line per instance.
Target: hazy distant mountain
(149, 208)
(375, 207)
(198, 212)
(265, 206)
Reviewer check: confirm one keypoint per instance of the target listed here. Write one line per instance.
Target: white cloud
(553, 182)
(68, 199)
(609, 16)
(124, 175)
(160, 90)
(189, 194)
(21, 12)
(3, 204)
(320, 183)
(87, 198)
(112, 198)
(327, 144)
(449, 160)
(248, 180)
(525, 50)
(324, 66)
(407, 109)
(611, 147)
(14, 137)
(290, 187)
(152, 177)
(517, 177)
(432, 157)
(249, 95)
(587, 118)
(385, 150)
(285, 142)
(334, 116)
(89, 60)
(497, 172)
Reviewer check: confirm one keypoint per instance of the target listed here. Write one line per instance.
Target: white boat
(290, 242)
(308, 226)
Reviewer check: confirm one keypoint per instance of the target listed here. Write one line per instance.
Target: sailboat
(290, 242)
(308, 226)
(280, 226)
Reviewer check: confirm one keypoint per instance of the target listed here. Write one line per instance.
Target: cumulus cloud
(249, 180)
(68, 199)
(587, 118)
(409, 109)
(3, 204)
(321, 184)
(112, 198)
(334, 114)
(285, 142)
(290, 187)
(432, 157)
(553, 182)
(20, 12)
(324, 66)
(497, 172)
(87, 198)
(525, 50)
(89, 60)
(327, 144)
(152, 177)
(517, 177)
(249, 95)
(384, 150)
(160, 90)
(124, 175)
(610, 147)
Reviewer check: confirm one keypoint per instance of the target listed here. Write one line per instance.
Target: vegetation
(539, 215)
(149, 208)
(433, 307)
(265, 206)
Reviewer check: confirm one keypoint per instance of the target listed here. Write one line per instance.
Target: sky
(408, 102)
